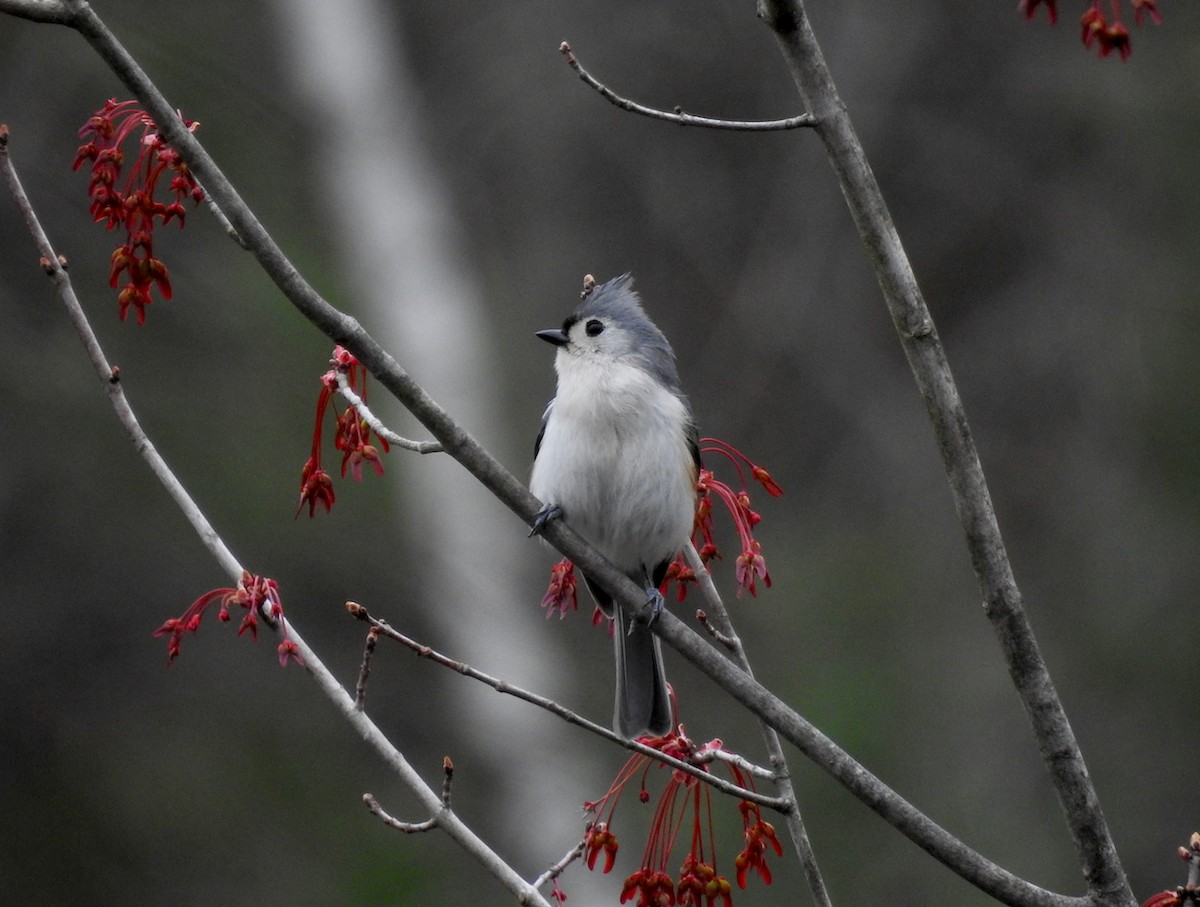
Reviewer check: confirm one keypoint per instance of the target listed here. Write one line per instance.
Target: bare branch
(52, 11)
(927, 359)
(677, 115)
(364, 671)
(407, 827)
(421, 447)
(553, 872)
(501, 686)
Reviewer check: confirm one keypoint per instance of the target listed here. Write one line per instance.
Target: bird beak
(553, 335)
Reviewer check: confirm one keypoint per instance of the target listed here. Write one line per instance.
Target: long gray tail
(643, 703)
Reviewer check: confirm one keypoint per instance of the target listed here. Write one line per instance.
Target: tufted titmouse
(617, 458)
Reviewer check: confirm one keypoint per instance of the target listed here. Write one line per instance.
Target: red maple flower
(256, 595)
(132, 203)
(561, 595)
(352, 436)
(1029, 8)
(1104, 32)
(1146, 8)
(683, 798)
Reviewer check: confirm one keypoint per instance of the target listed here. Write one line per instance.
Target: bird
(617, 458)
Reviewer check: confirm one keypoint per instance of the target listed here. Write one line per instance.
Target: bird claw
(655, 603)
(542, 517)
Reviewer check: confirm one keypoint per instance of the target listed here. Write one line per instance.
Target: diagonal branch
(52, 11)
(927, 359)
(382, 627)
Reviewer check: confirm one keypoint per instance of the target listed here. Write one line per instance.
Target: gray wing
(537, 444)
(693, 439)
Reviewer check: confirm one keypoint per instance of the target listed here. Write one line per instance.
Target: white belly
(622, 473)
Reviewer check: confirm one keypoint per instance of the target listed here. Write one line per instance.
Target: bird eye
(593, 327)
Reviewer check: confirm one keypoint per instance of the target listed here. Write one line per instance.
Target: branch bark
(1002, 599)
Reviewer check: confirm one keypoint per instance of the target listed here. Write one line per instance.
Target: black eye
(594, 326)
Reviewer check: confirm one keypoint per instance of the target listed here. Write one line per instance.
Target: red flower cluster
(749, 567)
(131, 203)
(352, 435)
(1100, 31)
(560, 594)
(254, 594)
(699, 882)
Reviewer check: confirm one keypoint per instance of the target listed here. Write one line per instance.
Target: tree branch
(51, 11)
(927, 359)
(678, 116)
(779, 804)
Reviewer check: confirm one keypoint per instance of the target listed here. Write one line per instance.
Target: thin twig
(448, 772)
(501, 686)
(364, 671)
(1060, 750)
(741, 762)
(407, 827)
(716, 635)
(553, 872)
(364, 412)
(677, 115)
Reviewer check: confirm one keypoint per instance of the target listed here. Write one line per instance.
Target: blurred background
(437, 171)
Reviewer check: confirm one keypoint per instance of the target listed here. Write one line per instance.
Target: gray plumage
(617, 458)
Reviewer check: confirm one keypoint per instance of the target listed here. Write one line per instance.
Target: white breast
(615, 457)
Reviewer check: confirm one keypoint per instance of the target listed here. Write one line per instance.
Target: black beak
(553, 335)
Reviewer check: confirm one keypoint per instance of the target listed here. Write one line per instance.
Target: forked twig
(779, 804)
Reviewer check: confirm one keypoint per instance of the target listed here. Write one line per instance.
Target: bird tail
(643, 704)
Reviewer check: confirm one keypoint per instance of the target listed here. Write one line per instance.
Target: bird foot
(542, 517)
(654, 606)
